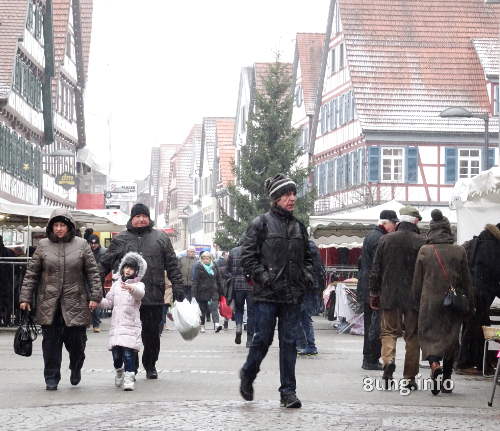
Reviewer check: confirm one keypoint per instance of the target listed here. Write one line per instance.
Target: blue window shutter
(491, 158)
(348, 174)
(450, 156)
(412, 165)
(374, 164)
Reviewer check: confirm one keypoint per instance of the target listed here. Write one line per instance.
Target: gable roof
(60, 22)
(261, 72)
(309, 48)
(487, 50)
(86, 8)
(226, 149)
(409, 60)
(12, 23)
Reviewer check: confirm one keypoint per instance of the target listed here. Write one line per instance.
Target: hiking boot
(151, 373)
(128, 381)
(51, 386)
(367, 365)
(119, 377)
(75, 377)
(246, 387)
(290, 401)
(388, 372)
(237, 338)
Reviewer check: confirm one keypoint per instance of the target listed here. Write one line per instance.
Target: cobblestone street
(197, 389)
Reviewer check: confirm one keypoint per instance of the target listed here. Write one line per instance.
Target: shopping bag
(25, 334)
(186, 317)
(225, 309)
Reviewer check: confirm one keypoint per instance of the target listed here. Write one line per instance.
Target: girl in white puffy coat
(125, 298)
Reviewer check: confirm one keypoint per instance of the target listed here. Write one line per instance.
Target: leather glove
(375, 302)
(179, 294)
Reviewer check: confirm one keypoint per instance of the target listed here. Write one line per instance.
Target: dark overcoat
(438, 327)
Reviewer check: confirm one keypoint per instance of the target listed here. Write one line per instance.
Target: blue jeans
(305, 333)
(240, 296)
(124, 357)
(96, 317)
(266, 314)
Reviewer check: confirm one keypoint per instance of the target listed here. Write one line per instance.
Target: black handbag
(25, 335)
(453, 300)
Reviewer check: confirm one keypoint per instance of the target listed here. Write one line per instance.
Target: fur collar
(494, 230)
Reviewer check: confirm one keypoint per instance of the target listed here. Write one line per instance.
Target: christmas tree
(271, 148)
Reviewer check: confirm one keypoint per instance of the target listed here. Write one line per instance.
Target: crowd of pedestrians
(273, 277)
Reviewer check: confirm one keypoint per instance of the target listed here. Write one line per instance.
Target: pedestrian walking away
(371, 343)
(440, 265)
(309, 307)
(241, 293)
(391, 279)
(186, 264)
(124, 298)
(277, 260)
(207, 288)
(99, 252)
(156, 249)
(57, 273)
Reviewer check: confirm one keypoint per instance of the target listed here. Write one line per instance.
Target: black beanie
(139, 209)
(279, 185)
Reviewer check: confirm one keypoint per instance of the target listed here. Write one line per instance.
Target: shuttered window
(330, 184)
(450, 156)
(374, 164)
(412, 165)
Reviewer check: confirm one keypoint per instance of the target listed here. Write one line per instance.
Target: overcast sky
(158, 68)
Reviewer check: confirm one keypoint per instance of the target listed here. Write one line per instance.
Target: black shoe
(218, 329)
(246, 387)
(371, 365)
(75, 377)
(447, 384)
(410, 384)
(151, 373)
(388, 372)
(226, 324)
(51, 386)
(237, 339)
(436, 372)
(290, 401)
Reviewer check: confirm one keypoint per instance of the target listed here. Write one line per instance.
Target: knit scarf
(209, 268)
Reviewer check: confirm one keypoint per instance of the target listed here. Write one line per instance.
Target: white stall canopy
(477, 203)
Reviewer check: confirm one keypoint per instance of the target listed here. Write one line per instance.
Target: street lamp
(460, 112)
(62, 152)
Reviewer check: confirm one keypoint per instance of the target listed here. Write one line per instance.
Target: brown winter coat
(391, 274)
(57, 273)
(438, 328)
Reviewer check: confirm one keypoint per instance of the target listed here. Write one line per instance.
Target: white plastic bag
(187, 318)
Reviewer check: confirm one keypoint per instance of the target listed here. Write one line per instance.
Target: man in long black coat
(371, 346)
(155, 247)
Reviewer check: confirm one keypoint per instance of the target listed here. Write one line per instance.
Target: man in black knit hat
(155, 247)
(276, 259)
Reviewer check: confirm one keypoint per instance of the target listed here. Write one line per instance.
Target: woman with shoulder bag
(207, 287)
(441, 270)
(58, 271)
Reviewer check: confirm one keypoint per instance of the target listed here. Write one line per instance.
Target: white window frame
(469, 162)
(392, 158)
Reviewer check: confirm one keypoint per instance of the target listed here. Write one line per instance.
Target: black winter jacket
(155, 247)
(486, 262)
(370, 245)
(391, 276)
(276, 257)
(206, 287)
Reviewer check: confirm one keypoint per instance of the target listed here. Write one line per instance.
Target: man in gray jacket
(186, 264)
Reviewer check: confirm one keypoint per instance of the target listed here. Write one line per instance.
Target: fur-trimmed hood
(494, 230)
(136, 260)
(63, 215)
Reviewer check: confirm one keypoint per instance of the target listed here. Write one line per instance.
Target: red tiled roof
(261, 71)
(86, 7)
(226, 149)
(309, 48)
(410, 59)
(60, 28)
(12, 23)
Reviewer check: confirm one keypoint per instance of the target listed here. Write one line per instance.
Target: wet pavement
(197, 389)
